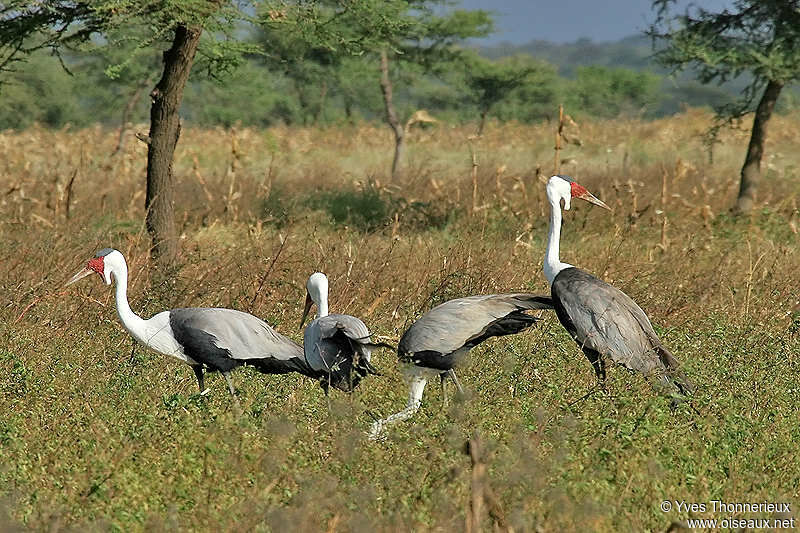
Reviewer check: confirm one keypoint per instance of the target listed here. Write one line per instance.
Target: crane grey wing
(603, 319)
(354, 328)
(225, 338)
(446, 332)
(327, 338)
(337, 345)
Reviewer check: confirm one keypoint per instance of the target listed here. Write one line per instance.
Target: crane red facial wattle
(578, 191)
(96, 264)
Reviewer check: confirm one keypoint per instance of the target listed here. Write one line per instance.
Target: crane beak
(309, 301)
(592, 199)
(80, 275)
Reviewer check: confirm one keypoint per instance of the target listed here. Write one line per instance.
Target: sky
(563, 21)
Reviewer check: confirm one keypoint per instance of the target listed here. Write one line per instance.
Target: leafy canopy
(490, 82)
(759, 37)
(61, 26)
(609, 92)
(415, 29)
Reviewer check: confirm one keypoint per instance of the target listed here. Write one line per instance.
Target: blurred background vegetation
(99, 435)
(592, 80)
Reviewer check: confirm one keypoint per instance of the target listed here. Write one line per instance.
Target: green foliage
(610, 92)
(756, 37)
(250, 96)
(295, 45)
(313, 44)
(59, 26)
(327, 29)
(41, 93)
(436, 35)
(366, 208)
(359, 97)
(490, 82)
(315, 63)
(431, 35)
(113, 45)
(631, 52)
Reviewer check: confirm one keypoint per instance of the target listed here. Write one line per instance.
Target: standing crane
(603, 320)
(443, 336)
(213, 339)
(337, 345)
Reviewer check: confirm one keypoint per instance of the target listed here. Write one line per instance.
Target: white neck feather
(132, 322)
(552, 264)
(322, 306)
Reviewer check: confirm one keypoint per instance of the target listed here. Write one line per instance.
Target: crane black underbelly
(432, 359)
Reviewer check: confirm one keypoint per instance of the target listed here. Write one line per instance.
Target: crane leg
(602, 375)
(599, 365)
(442, 378)
(415, 377)
(452, 374)
(229, 380)
(198, 372)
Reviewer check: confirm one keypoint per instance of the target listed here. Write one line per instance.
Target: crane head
(316, 293)
(562, 187)
(98, 265)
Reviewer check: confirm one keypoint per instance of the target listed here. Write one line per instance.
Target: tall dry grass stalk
(92, 437)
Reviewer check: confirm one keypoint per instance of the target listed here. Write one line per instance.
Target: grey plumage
(606, 323)
(205, 338)
(338, 348)
(443, 335)
(440, 339)
(223, 339)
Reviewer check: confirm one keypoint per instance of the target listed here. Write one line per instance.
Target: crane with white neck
(340, 346)
(211, 339)
(604, 321)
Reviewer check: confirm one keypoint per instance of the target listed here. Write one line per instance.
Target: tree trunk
(323, 92)
(751, 171)
(391, 115)
(348, 109)
(303, 100)
(165, 128)
(128, 111)
(482, 122)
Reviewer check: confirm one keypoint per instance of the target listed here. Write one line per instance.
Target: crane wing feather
(457, 325)
(335, 346)
(604, 319)
(243, 336)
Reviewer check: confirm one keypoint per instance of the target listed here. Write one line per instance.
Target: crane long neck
(322, 306)
(552, 262)
(132, 322)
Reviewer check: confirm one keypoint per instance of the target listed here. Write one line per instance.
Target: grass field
(97, 434)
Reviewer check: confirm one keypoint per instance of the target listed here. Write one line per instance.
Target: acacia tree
(322, 32)
(70, 25)
(428, 41)
(491, 82)
(320, 45)
(306, 62)
(757, 37)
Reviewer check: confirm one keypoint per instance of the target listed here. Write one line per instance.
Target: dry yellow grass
(93, 435)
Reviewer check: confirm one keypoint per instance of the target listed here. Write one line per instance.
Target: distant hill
(631, 52)
(634, 53)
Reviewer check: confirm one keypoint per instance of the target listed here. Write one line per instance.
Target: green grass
(95, 435)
